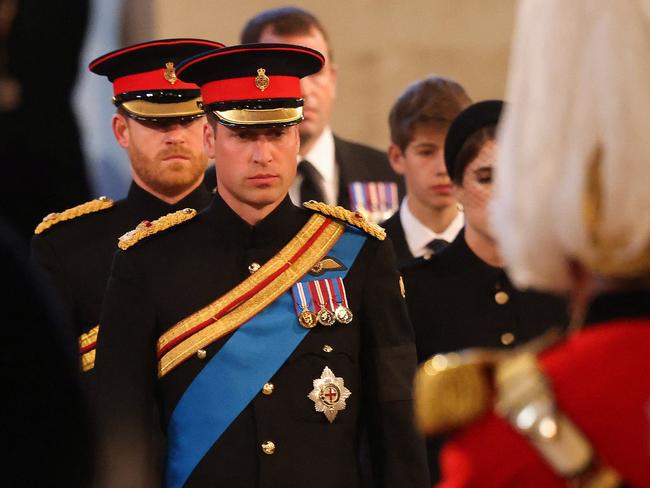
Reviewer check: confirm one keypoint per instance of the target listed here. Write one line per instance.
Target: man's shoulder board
(147, 228)
(92, 206)
(352, 218)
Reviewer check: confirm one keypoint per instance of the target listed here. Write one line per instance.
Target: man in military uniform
(571, 215)
(270, 336)
(160, 126)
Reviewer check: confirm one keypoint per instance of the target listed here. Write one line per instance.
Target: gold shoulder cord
(352, 218)
(54, 218)
(147, 228)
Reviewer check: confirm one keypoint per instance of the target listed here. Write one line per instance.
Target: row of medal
(376, 200)
(321, 302)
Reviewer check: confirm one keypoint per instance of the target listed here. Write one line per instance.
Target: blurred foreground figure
(571, 213)
(45, 432)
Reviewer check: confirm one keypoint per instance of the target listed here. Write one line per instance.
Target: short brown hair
(432, 100)
(285, 21)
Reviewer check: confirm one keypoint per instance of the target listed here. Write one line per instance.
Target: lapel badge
(329, 394)
(262, 81)
(170, 73)
(326, 264)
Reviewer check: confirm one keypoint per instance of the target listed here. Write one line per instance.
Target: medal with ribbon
(342, 313)
(306, 317)
(376, 200)
(322, 302)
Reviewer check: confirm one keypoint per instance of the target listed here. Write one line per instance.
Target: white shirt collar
(322, 156)
(419, 235)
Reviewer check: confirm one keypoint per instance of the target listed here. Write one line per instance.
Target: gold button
(201, 354)
(253, 267)
(327, 348)
(267, 389)
(507, 338)
(501, 297)
(268, 447)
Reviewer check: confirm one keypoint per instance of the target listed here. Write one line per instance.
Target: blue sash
(230, 381)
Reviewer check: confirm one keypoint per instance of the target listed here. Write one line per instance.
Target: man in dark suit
(429, 217)
(330, 169)
(271, 337)
(164, 142)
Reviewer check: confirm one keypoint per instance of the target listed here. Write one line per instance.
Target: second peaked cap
(253, 84)
(144, 78)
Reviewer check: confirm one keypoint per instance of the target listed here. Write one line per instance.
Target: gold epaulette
(451, 390)
(147, 228)
(353, 218)
(92, 206)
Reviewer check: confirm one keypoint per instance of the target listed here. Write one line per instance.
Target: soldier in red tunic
(571, 212)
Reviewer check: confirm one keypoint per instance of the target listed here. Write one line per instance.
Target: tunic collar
(276, 229)
(153, 206)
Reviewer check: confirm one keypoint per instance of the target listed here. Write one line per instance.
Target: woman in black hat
(461, 297)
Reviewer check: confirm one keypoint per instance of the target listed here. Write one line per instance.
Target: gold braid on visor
(260, 116)
(142, 108)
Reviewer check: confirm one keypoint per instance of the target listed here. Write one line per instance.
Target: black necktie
(310, 187)
(437, 245)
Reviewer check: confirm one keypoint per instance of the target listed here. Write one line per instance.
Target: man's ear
(297, 136)
(396, 159)
(121, 130)
(209, 136)
(333, 72)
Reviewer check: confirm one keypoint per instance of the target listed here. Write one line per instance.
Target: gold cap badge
(261, 80)
(170, 73)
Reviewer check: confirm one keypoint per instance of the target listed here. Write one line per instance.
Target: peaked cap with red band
(144, 78)
(252, 84)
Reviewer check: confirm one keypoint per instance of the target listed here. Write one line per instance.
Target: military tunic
(458, 301)
(166, 278)
(77, 254)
